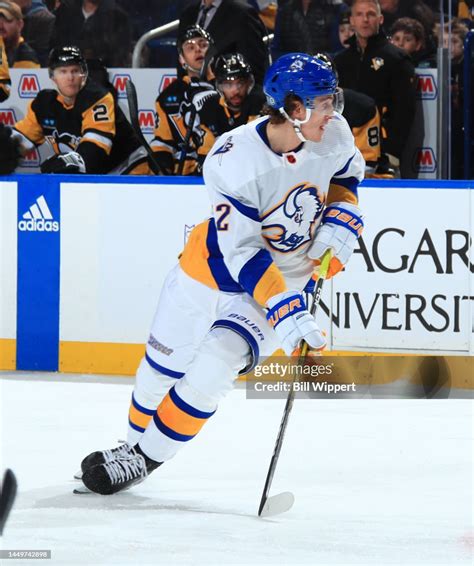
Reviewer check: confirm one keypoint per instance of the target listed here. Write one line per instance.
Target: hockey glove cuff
(292, 322)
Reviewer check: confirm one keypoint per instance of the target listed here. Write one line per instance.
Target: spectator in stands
(408, 34)
(19, 53)
(346, 31)
(392, 10)
(308, 26)
(235, 27)
(150, 14)
(5, 82)
(374, 66)
(100, 28)
(82, 122)
(180, 143)
(240, 100)
(38, 28)
(458, 35)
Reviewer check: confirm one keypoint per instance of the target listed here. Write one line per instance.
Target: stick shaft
(291, 395)
(133, 109)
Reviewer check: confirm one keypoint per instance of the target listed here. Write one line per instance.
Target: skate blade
(277, 504)
(82, 490)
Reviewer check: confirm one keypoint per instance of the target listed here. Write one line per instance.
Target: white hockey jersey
(267, 207)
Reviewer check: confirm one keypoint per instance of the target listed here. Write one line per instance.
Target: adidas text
(38, 225)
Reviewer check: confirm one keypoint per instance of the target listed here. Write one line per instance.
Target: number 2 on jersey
(224, 209)
(100, 113)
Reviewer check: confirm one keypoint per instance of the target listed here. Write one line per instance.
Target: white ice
(376, 481)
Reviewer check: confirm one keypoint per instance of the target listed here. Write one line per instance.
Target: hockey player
(81, 121)
(240, 101)
(284, 191)
(180, 144)
(5, 81)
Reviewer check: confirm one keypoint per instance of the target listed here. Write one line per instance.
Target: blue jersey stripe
(350, 183)
(345, 168)
(253, 270)
(218, 268)
(247, 211)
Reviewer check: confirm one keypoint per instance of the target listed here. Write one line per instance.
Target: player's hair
(376, 3)
(409, 25)
(276, 117)
(458, 27)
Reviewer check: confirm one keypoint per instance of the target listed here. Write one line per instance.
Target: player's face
(321, 114)
(194, 52)
(69, 80)
(234, 91)
(406, 41)
(365, 19)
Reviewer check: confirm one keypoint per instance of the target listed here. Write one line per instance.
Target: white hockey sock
(150, 388)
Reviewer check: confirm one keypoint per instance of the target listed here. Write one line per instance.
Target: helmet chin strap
(297, 123)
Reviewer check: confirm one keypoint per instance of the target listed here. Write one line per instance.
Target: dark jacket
(235, 26)
(106, 35)
(313, 32)
(386, 74)
(39, 25)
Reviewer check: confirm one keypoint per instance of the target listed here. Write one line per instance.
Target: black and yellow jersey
(94, 126)
(5, 82)
(218, 118)
(173, 108)
(363, 117)
(23, 57)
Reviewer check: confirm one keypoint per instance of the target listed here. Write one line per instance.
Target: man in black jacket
(372, 65)
(100, 28)
(235, 27)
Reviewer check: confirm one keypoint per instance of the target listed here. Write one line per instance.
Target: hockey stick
(189, 128)
(7, 497)
(282, 502)
(133, 110)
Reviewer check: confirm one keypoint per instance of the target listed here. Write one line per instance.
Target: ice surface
(376, 481)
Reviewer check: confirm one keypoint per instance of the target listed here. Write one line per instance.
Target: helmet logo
(297, 65)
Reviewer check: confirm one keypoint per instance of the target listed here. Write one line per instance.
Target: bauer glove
(339, 230)
(292, 322)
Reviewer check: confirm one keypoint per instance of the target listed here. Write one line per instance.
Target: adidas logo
(38, 218)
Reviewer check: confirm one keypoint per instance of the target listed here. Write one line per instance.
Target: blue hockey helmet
(299, 74)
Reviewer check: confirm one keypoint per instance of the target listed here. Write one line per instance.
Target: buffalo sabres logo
(289, 225)
(296, 65)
